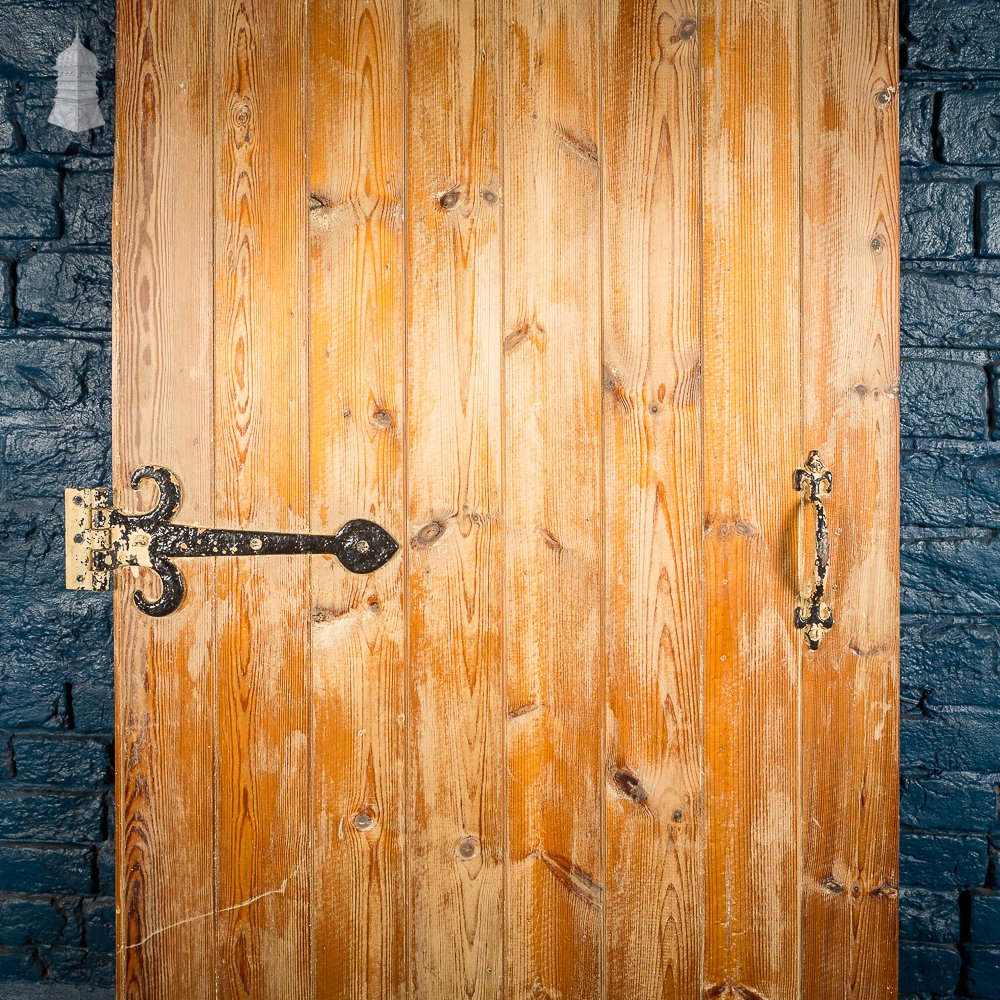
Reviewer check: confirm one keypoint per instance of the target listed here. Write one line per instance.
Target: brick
(48, 375)
(32, 107)
(6, 294)
(43, 462)
(936, 221)
(984, 918)
(77, 965)
(928, 915)
(962, 803)
(29, 197)
(62, 761)
(932, 490)
(6, 757)
(950, 740)
(982, 973)
(99, 924)
(8, 133)
(30, 543)
(71, 289)
(951, 576)
(36, 702)
(36, 31)
(939, 860)
(993, 374)
(950, 310)
(19, 964)
(87, 207)
(33, 921)
(949, 664)
(953, 34)
(943, 399)
(929, 967)
(106, 866)
(969, 127)
(50, 870)
(93, 707)
(982, 477)
(916, 118)
(47, 642)
(989, 220)
(42, 815)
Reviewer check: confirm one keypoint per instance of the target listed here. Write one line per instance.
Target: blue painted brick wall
(56, 915)
(950, 731)
(56, 857)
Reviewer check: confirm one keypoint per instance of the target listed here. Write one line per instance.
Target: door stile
(162, 413)
(751, 448)
(851, 376)
(455, 193)
(653, 500)
(357, 385)
(262, 463)
(552, 499)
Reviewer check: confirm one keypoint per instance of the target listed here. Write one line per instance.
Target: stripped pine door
(560, 293)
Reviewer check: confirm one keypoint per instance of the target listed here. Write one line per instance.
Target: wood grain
(455, 581)
(356, 443)
(653, 502)
(752, 442)
(552, 500)
(850, 696)
(162, 412)
(561, 294)
(262, 465)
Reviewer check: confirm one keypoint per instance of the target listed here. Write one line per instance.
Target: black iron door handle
(152, 540)
(813, 614)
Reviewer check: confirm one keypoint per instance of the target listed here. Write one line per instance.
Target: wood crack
(280, 891)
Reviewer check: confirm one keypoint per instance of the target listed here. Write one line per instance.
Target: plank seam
(404, 406)
(602, 489)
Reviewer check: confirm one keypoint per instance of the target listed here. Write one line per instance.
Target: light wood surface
(552, 500)
(560, 294)
(850, 288)
(752, 443)
(652, 499)
(262, 481)
(454, 538)
(163, 414)
(356, 287)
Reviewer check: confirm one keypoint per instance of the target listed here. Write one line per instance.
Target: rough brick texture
(950, 499)
(56, 855)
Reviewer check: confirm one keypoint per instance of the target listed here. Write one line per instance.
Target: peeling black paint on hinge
(814, 615)
(152, 540)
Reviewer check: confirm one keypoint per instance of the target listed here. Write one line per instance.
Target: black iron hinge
(100, 538)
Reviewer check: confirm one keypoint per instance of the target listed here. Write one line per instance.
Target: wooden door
(561, 293)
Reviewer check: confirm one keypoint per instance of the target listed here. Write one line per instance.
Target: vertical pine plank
(162, 386)
(454, 360)
(752, 434)
(552, 499)
(653, 503)
(850, 281)
(356, 440)
(261, 419)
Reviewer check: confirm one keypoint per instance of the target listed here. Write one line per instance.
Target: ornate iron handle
(99, 537)
(813, 614)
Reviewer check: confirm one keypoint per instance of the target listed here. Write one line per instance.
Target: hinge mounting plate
(88, 539)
